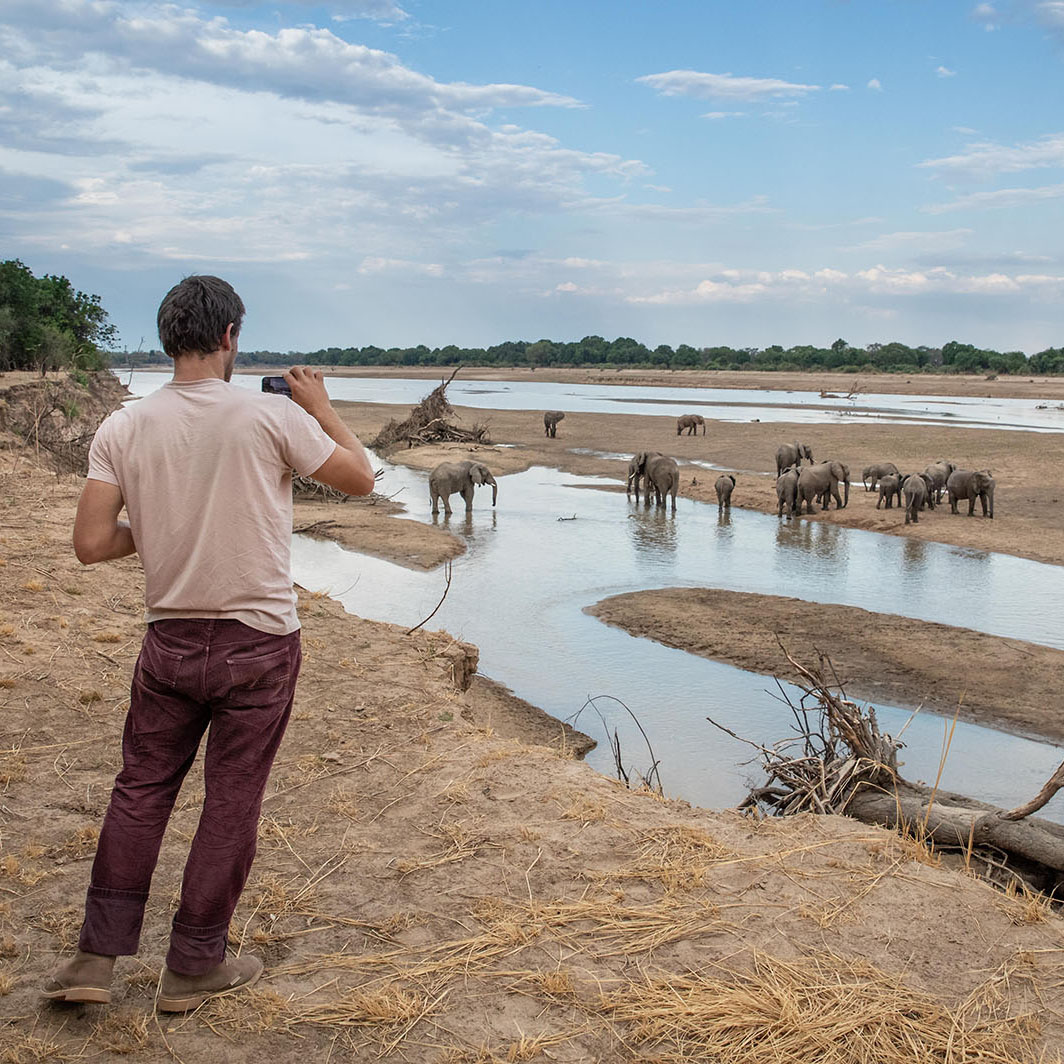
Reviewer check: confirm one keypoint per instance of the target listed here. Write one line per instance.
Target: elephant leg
(447, 505)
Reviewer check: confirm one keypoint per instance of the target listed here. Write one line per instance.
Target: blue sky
(396, 172)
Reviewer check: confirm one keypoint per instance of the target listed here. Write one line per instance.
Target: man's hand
(308, 390)
(347, 469)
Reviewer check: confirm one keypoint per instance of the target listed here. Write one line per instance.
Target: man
(203, 469)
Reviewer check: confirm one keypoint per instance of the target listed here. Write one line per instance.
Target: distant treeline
(46, 324)
(953, 357)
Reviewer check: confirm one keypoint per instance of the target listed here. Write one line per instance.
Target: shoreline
(945, 384)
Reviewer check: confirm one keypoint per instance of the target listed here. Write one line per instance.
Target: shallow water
(520, 590)
(721, 404)
(530, 569)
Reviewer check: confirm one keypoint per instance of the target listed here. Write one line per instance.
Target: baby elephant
(449, 477)
(724, 487)
(787, 490)
(550, 422)
(917, 490)
(889, 486)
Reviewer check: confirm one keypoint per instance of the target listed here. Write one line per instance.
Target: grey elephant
(966, 484)
(822, 481)
(449, 477)
(916, 487)
(663, 476)
(889, 486)
(724, 485)
(939, 472)
(637, 472)
(787, 490)
(870, 475)
(550, 422)
(791, 454)
(690, 422)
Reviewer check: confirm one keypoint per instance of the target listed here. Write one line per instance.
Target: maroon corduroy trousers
(191, 675)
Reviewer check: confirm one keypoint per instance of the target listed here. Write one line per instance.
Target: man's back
(205, 470)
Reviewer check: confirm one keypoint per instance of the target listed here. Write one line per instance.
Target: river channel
(555, 545)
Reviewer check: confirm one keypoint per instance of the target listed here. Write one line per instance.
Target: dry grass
(123, 1031)
(821, 1009)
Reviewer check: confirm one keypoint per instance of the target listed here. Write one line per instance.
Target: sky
(397, 172)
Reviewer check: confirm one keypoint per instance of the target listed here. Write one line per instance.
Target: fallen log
(838, 761)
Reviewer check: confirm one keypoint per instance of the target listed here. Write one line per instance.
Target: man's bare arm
(347, 469)
(98, 534)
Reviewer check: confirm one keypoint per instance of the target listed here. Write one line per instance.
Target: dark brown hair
(195, 313)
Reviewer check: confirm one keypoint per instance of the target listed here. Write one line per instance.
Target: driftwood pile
(431, 421)
(838, 761)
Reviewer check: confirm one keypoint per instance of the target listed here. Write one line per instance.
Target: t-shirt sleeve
(306, 444)
(101, 467)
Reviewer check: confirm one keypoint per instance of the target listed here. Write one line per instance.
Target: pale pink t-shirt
(205, 469)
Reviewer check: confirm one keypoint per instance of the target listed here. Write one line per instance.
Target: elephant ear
(476, 474)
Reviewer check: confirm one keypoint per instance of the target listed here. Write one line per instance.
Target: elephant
(724, 486)
(915, 487)
(877, 471)
(822, 481)
(691, 423)
(449, 477)
(637, 472)
(663, 475)
(939, 472)
(550, 422)
(889, 486)
(965, 484)
(791, 454)
(787, 490)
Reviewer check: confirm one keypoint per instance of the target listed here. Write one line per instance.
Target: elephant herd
(797, 486)
(819, 482)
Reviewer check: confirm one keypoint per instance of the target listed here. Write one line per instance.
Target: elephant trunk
(846, 496)
(494, 490)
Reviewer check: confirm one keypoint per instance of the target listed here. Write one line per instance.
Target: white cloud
(945, 72)
(875, 84)
(839, 87)
(295, 62)
(916, 241)
(748, 286)
(717, 115)
(379, 10)
(985, 14)
(1000, 198)
(704, 86)
(986, 157)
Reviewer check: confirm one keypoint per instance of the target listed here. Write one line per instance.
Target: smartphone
(276, 386)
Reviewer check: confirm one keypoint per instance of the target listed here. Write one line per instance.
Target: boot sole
(188, 1002)
(89, 995)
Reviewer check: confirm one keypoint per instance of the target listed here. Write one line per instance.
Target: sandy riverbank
(879, 657)
(1027, 466)
(426, 890)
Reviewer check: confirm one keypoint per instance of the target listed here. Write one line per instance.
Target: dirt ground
(879, 657)
(429, 889)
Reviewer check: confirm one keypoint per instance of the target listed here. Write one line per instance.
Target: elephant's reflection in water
(463, 523)
(914, 551)
(724, 521)
(653, 531)
(814, 537)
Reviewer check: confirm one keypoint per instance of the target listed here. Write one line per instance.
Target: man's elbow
(86, 551)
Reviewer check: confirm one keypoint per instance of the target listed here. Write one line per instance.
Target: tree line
(953, 357)
(46, 324)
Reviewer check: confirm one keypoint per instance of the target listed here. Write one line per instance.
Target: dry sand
(879, 657)
(427, 890)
